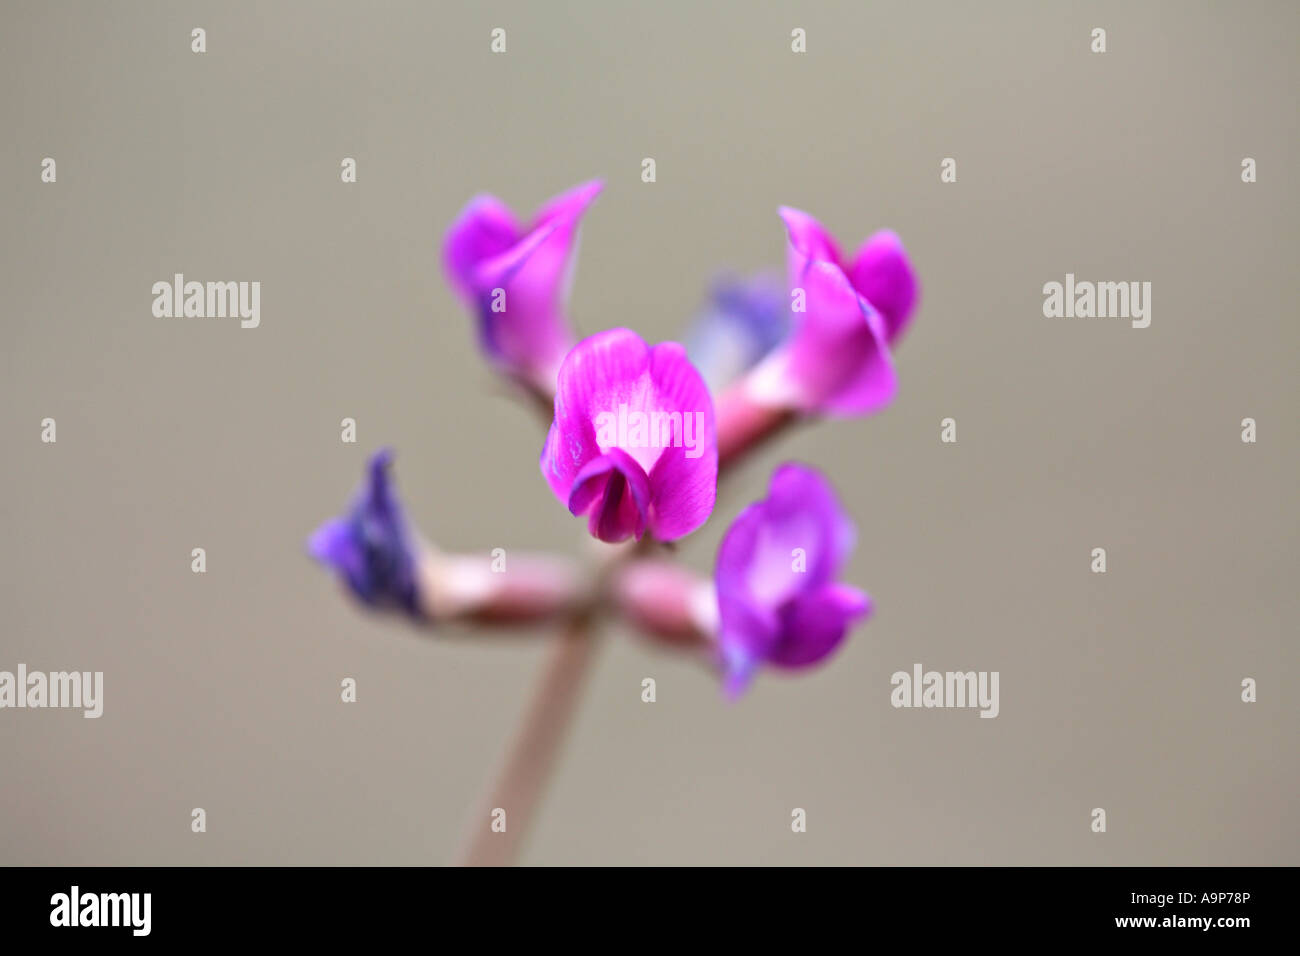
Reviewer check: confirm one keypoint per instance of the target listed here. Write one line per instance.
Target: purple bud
(371, 546)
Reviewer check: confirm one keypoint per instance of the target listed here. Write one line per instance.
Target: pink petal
(808, 237)
(485, 228)
(524, 326)
(569, 206)
(882, 273)
(684, 480)
(597, 375)
(836, 359)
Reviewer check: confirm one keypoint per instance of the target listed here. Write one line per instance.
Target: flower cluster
(640, 432)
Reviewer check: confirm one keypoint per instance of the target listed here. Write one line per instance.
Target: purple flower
(371, 546)
(516, 279)
(779, 602)
(879, 271)
(837, 358)
(632, 445)
(745, 319)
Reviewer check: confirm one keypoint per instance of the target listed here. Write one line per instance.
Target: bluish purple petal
(745, 320)
(731, 574)
(371, 546)
(815, 622)
(802, 511)
(331, 544)
(794, 539)
(778, 598)
(747, 628)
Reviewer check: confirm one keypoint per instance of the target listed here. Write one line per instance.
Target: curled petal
(883, 275)
(815, 623)
(567, 208)
(522, 325)
(809, 239)
(836, 361)
(485, 228)
(614, 492)
(517, 280)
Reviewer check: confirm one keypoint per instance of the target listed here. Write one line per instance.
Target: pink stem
(529, 587)
(537, 744)
(535, 749)
(743, 423)
(666, 602)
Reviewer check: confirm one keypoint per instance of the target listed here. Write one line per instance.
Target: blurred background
(1119, 691)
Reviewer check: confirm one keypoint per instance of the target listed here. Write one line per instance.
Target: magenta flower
(371, 547)
(632, 445)
(879, 271)
(515, 279)
(779, 602)
(837, 358)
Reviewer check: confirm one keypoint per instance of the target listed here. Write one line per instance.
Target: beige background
(1120, 691)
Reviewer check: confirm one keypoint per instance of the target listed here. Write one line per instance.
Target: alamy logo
(102, 909)
(1101, 300)
(210, 300)
(56, 689)
(949, 689)
(637, 429)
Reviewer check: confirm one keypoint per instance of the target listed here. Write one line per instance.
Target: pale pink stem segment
(744, 423)
(667, 603)
(535, 749)
(537, 745)
(522, 588)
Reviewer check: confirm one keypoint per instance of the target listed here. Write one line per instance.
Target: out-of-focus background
(1119, 691)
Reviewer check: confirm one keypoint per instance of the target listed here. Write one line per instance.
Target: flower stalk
(637, 437)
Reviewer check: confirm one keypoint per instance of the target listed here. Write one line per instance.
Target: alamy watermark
(208, 300)
(639, 429)
(946, 689)
(72, 689)
(1100, 300)
(75, 908)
